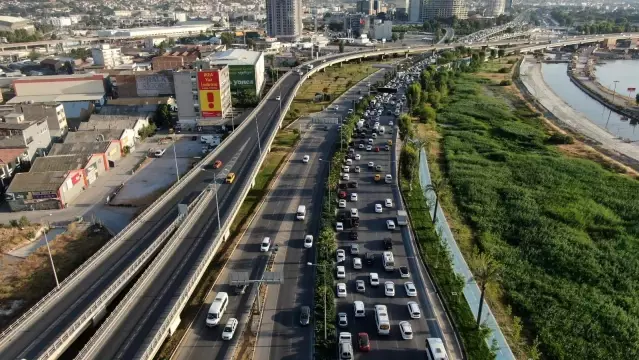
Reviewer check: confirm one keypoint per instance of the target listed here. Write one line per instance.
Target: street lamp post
(614, 92)
(217, 204)
(433, 189)
(257, 128)
(177, 171)
(46, 240)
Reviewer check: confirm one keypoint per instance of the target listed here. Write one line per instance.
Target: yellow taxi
(390, 142)
(378, 177)
(230, 178)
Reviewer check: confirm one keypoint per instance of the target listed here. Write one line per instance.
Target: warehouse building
(246, 68)
(144, 32)
(203, 96)
(126, 137)
(110, 151)
(120, 122)
(12, 23)
(44, 190)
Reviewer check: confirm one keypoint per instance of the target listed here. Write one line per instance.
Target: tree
(401, 36)
(486, 270)
(162, 116)
(501, 52)
(408, 162)
(637, 99)
(162, 48)
(33, 55)
(434, 98)
(394, 37)
(414, 94)
(405, 125)
(493, 53)
(227, 38)
(341, 46)
(426, 113)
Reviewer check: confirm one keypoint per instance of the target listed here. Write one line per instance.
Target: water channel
(557, 79)
(626, 72)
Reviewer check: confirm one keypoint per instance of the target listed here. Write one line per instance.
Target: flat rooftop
(95, 147)
(59, 163)
(93, 135)
(37, 181)
(235, 57)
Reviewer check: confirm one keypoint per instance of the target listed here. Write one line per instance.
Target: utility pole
(614, 92)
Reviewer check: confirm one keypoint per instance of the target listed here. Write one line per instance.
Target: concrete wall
(95, 167)
(37, 138)
(114, 152)
(70, 191)
(184, 95)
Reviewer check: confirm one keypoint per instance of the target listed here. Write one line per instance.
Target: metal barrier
(119, 311)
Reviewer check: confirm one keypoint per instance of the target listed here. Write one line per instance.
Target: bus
(435, 349)
(388, 260)
(382, 320)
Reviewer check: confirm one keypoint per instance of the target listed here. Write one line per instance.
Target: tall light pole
(232, 120)
(257, 128)
(177, 171)
(614, 92)
(217, 204)
(46, 240)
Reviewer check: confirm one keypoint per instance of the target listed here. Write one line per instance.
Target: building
(415, 9)
(365, 7)
(126, 137)
(177, 59)
(202, 95)
(381, 30)
(20, 132)
(120, 122)
(246, 68)
(109, 151)
(435, 9)
(151, 42)
(127, 84)
(144, 32)
(80, 94)
(495, 8)
(357, 24)
(509, 5)
(137, 106)
(61, 21)
(10, 162)
(11, 23)
(284, 19)
(108, 56)
(44, 190)
(91, 165)
(54, 65)
(53, 112)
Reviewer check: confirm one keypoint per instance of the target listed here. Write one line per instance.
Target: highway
(41, 328)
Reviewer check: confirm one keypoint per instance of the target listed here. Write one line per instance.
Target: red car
(342, 194)
(217, 164)
(363, 342)
(376, 148)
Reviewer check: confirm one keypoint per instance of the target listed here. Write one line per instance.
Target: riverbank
(568, 117)
(583, 76)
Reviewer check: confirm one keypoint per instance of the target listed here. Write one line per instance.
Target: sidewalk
(471, 290)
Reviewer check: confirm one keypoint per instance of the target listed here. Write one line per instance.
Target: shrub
(505, 83)
(504, 70)
(24, 222)
(558, 138)
(14, 223)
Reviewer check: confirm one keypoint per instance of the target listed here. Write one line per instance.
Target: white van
(217, 309)
(358, 308)
(388, 178)
(301, 212)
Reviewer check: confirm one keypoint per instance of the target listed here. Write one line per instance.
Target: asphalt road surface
(37, 334)
(372, 231)
(275, 219)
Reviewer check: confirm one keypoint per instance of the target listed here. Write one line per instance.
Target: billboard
(208, 83)
(242, 77)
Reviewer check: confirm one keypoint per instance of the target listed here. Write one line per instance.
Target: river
(557, 79)
(624, 71)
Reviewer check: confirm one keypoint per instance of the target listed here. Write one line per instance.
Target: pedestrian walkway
(471, 290)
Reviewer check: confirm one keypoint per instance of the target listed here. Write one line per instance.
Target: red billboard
(208, 80)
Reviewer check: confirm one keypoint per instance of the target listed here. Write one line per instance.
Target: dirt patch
(12, 237)
(28, 280)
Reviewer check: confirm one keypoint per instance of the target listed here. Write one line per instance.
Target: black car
(342, 185)
(342, 215)
(354, 222)
(352, 184)
(305, 315)
(353, 235)
(369, 258)
(388, 243)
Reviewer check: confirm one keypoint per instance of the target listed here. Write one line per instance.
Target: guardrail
(123, 235)
(179, 235)
(186, 291)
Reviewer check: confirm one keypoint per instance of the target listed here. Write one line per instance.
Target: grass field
(334, 81)
(564, 228)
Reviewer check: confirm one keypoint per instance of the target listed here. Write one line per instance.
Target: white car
(411, 290)
(406, 330)
(278, 98)
(353, 196)
(229, 329)
(388, 203)
(266, 244)
(339, 226)
(346, 177)
(305, 159)
(413, 310)
(360, 286)
(358, 169)
(341, 272)
(341, 290)
(373, 279)
(357, 263)
(341, 203)
(346, 168)
(378, 208)
(390, 224)
(358, 157)
(389, 288)
(308, 241)
(354, 249)
(371, 164)
(354, 213)
(361, 146)
(390, 123)
(341, 255)
(342, 319)
(369, 147)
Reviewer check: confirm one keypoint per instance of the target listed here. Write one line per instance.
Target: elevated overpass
(47, 329)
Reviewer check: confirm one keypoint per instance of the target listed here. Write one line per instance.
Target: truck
(402, 217)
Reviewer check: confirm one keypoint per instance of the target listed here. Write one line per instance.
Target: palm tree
(486, 271)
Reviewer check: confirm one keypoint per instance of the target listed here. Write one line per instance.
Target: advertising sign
(242, 77)
(210, 103)
(208, 83)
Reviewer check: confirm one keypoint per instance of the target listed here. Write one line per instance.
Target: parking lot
(371, 232)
